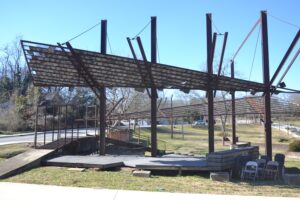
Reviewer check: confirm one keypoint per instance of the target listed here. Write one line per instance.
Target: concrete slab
(169, 163)
(175, 162)
(101, 162)
(24, 161)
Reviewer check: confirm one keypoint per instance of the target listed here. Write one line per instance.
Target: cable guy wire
(284, 21)
(254, 53)
(142, 30)
(109, 43)
(248, 35)
(83, 32)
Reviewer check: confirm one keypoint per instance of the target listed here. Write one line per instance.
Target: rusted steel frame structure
(210, 94)
(52, 65)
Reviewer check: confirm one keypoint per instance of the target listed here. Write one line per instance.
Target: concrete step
(24, 161)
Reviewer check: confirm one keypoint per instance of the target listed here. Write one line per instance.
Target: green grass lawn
(12, 133)
(195, 140)
(124, 179)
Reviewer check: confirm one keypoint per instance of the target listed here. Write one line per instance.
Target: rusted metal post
(36, 124)
(210, 95)
(66, 121)
(72, 131)
(58, 118)
(86, 119)
(103, 93)
(266, 80)
(78, 121)
(172, 120)
(53, 121)
(182, 131)
(153, 91)
(95, 119)
(45, 124)
(233, 107)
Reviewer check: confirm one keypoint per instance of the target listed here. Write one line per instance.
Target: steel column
(266, 80)
(233, 107)
(53, 121)
(210, 95)
(45, 124)
(66, 121)
(172, 120)
(153, 91)
(86, 119)
(103, 93)
(35, 125)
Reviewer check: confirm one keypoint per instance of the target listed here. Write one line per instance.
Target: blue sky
(181, 28)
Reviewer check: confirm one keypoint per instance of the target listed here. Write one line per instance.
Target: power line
(254, 53)
(83, 32)
(284, 21)
(142, 30)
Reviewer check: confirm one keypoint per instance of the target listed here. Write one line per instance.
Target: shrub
(283, 140)
(295, 146)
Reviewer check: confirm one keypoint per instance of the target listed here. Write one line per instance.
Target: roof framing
(50, 66)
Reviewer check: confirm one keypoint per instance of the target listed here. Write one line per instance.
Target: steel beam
(138, 65)
(103, 93)
(233, 107)
(288, 68)
(266, 81)
(214, 42)
(153, 90)
(210, 95)
(222, 57)
(285, 57)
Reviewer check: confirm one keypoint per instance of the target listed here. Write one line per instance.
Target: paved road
(17, 191)
(29, 137)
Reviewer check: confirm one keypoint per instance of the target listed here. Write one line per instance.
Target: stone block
(77, 169)
(141, 173)
(219, 176)
(292, 179)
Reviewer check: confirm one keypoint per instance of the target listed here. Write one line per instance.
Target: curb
(16, 135)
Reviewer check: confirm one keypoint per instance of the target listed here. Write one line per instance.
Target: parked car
(199, 123)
